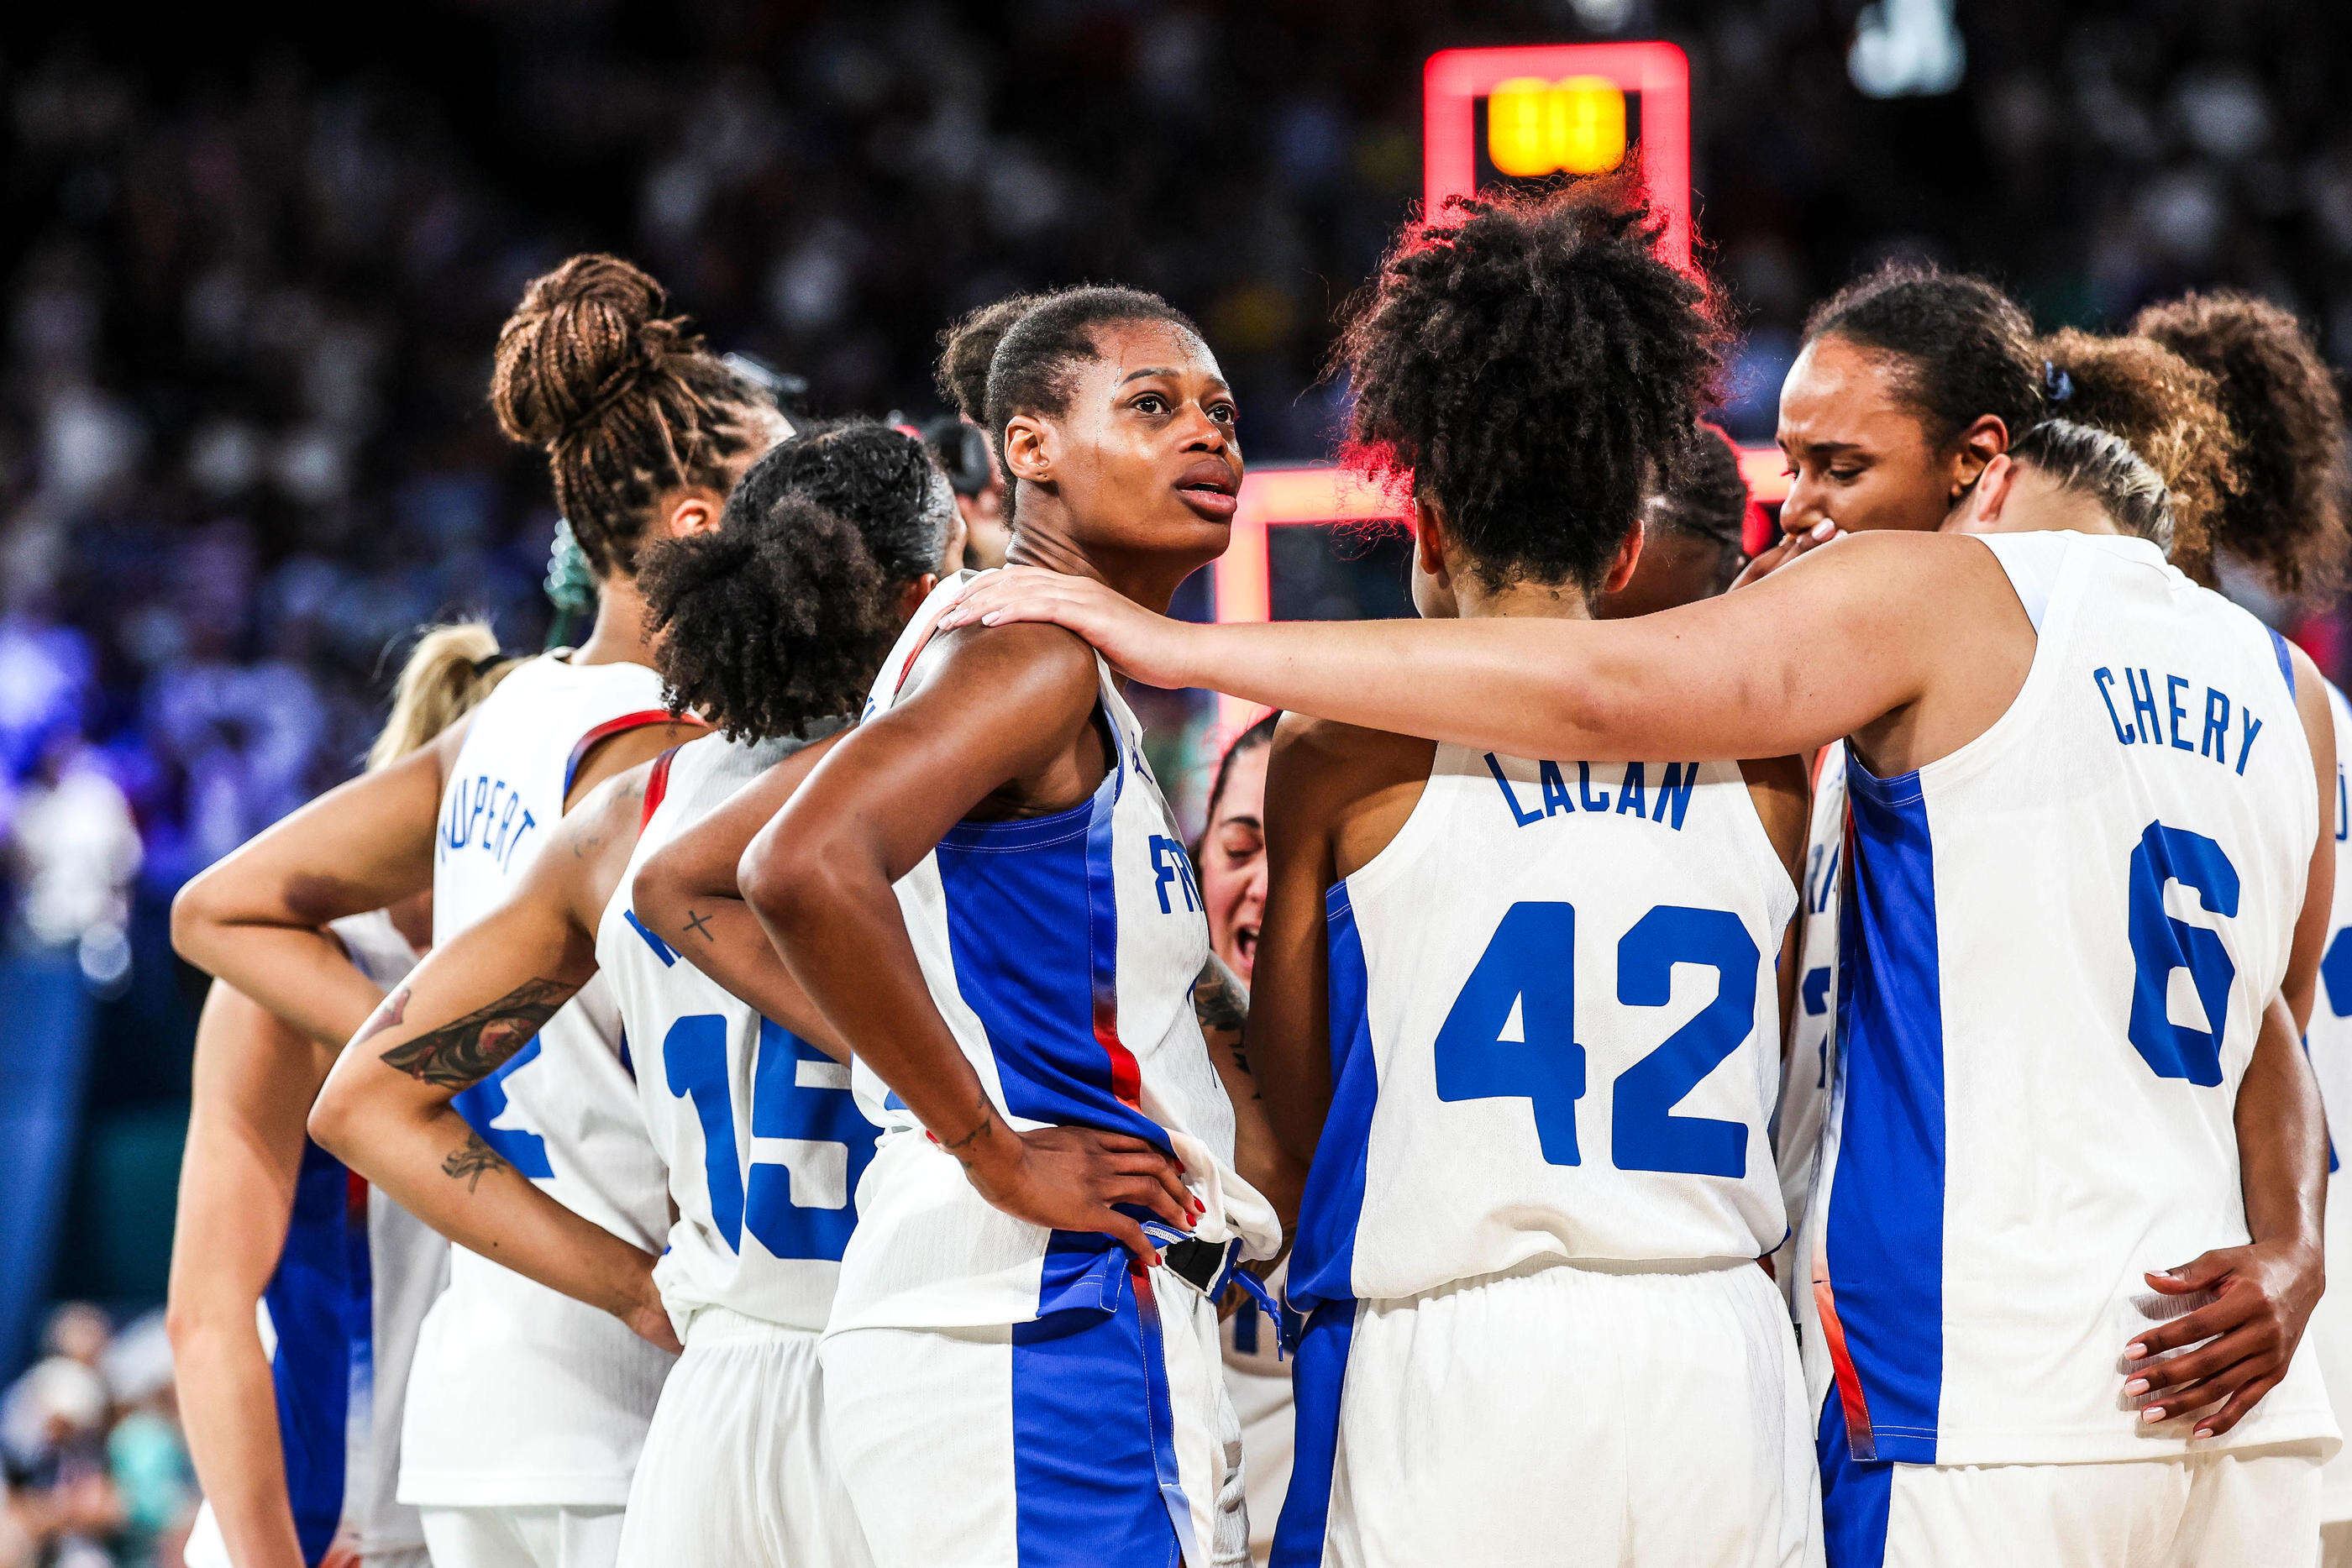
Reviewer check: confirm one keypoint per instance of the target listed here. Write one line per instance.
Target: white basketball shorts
(2233, 1508)
(1082, 1439)
(1558, 1415)
(734, 1467)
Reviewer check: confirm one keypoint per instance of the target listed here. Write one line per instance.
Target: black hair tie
(2057, 386)
(488, 662)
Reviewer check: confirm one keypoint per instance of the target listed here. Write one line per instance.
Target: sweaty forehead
(1127, 347)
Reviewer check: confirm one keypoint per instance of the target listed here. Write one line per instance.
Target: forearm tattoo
(387, 1013)
(468, 1163)
(1220, 1000)
(962, 1147)
(460, 1054)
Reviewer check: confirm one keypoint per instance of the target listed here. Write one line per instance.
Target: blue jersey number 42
(1527, 976)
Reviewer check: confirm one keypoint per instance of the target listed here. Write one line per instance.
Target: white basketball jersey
(353, 1283)
(763, 1141)
(2057, 945)
(1061, 951)
(1554, 1030)
(523, 1396)
(2329, 1040)
(1805, 1072)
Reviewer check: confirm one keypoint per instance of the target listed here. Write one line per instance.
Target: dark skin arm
(2266, 1291)
(460, 1015)
(685, 894)
(1004, 725)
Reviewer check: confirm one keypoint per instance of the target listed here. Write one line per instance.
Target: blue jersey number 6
(2161, 944)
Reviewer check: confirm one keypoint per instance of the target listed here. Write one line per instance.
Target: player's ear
(1629, 555)
(1429, 539)
(1028, 449)
(693, 511)
(1994, 487)
(1979, 446)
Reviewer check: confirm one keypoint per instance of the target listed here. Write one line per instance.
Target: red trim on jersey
(1858, 1431)
(914, 654)
(656, 786)
(613, 727)
(1126, 1074)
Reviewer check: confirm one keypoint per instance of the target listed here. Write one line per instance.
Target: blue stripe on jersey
(1884, 1245)
(2285, 659)
(1323, 1255)
(662, 950)
(1319, 1374)
(319, 1302)
(1855, 1495)
(1031, 951)
(1085, 1473)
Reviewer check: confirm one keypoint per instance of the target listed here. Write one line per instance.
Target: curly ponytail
(2168, 411)
(2285, 513)
(625, 400)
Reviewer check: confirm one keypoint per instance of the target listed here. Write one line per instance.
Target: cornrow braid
(625, 400)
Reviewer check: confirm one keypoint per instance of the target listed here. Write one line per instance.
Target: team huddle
(1647, 1068)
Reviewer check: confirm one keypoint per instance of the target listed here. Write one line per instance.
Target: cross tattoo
(695, 923)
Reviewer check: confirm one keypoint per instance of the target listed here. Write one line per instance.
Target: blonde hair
(452, 668)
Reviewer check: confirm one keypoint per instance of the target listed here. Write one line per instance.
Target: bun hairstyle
(626, 401)
(2104, 466)
(1014, 357)
(1962, 349)
(2285, 512)
(1534, 365)
(781, 616)
(450, 670)
(2168, 410)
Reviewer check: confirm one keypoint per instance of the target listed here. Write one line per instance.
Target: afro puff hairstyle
(1534, 366)
(781, 616)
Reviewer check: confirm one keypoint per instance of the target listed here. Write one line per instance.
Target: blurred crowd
(249, 298)
(248, 292)
(97, 1472)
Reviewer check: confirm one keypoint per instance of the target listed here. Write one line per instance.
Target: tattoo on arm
(1221, 1001)
(960, 1147)
(387, 1014)
(460, 1054)
(699, 925)
(467, 1163)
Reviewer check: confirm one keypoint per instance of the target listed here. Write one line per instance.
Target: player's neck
(1544, 601)
(619, 635)
(1148, 577)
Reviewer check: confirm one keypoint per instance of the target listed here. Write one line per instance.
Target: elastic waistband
(720, 1325)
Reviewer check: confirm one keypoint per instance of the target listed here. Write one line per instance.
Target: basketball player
(297, 1445)
(1474, 1244)
(526, 1409)
(2009, 1375)
(1911, 380)
(1020, 1003)
(2286, 519)
(773, 623)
